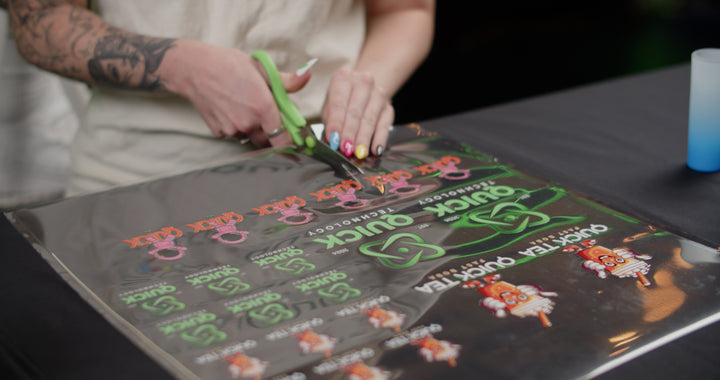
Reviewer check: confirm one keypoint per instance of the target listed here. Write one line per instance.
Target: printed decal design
(271, 314)
(339, 292)
(166, 249)
(295, 266)
(509, 218)
(241, 365)
(228, 233)
(402, 250)
(163, 305)
(228, 286)
(204, 335)
(619, 262)
(361, 371)
(387, 319)
(434, 350)
(311, 342)
(349, 200)
(521, 301)
(294, 216)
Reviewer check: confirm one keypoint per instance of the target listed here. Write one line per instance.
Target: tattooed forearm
(65, 38)
(128, 61)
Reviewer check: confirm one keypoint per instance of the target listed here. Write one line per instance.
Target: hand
(360, 111)
(231, 92)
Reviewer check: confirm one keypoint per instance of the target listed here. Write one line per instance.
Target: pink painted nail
(348, 148)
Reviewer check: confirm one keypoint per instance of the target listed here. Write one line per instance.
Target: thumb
(292, 82)
(297, 80)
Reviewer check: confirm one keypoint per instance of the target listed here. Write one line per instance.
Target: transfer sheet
(440, 261)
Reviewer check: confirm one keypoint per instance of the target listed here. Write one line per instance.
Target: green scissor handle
(291, 118)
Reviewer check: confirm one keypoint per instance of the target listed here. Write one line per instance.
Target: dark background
(490, 52)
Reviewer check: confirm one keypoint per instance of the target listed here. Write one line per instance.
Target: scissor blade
(337, 161)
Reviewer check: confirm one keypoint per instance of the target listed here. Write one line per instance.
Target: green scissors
(295, 124)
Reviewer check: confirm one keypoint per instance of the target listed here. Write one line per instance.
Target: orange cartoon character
(241, 365)
(361, 371)
(313, 343)
(619, 262)
(387, 319)
(434, 350)
(521, 300)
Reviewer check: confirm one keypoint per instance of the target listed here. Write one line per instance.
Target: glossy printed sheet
(440, 261)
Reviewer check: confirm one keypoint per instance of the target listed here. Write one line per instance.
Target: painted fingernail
(361, 151)
(379, 150)
(305, 67)
(348, 148)
(334, 140)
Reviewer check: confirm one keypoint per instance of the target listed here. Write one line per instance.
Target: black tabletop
(621, 142)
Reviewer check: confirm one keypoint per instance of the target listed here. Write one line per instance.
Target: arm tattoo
(63, 37)
(129, 61)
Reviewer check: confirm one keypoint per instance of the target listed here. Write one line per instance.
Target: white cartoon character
(434, 350)
(521, 301)
(619, 262)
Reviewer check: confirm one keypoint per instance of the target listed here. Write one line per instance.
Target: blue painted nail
(334, 140)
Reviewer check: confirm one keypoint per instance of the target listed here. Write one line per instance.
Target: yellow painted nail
(361, 151)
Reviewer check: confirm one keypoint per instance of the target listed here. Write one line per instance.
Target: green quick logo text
(295, 266)
(271, 314)
(184, 323)
(250, 303)
(163, 305)
(204, 335)
(320, 280)
(211, 275)
(376, 227)
(478, 198)
(339, 292)
(138, 296)
(228, 286)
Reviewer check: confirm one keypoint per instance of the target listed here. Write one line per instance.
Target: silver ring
(276, 132)
(244, 141)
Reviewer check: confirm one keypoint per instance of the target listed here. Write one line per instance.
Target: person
(174, 86)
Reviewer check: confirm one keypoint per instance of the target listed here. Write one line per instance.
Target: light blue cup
(704, 122)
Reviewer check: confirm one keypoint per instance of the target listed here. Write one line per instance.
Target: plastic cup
(704, 121)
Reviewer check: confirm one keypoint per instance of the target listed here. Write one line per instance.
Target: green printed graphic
(339, 292)
(271, 314)
(204, 335)
(295, 266)
(510, 221)
(509, 218)
(162, 305)
(228, 286)
(402, 250)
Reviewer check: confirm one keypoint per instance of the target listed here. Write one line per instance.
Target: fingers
(382, 130)
(270, 124)
(359, 111)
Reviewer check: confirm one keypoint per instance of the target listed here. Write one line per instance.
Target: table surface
(621, 142)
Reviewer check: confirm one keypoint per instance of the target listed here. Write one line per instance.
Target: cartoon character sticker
(293, 215)
(619, 262)
(450, 171)
(402, 187)
(434, 350)
(166, 249)
(229, 228)
(521, 301)
(349, 200)
(313, 343)
(241, 365)
(361, 371)
(387, 319)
